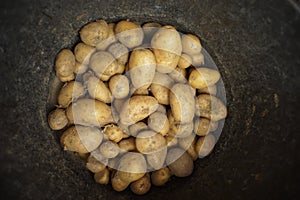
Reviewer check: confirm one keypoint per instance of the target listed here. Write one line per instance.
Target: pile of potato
(137, 104)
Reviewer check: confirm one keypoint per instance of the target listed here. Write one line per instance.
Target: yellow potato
(109, 40)
(83, 53)
(161, 176)
(191, 44)
(94, 32)
(118, 104)
(113, 132)
(70, 92)
(178, 129)
(178, 75)
(102, 177)
(150, 29)
(159, 123)
(141, 186)
(182, 103)
(134, 129)
(127, 145)
(120, 52)
(95, 165)
(137, 108)
(142, 68)
(66, 78)
(171, 140)
(117, 183)
(64, 64)
(129, 34)
(109, 149)
(205, 145)
(212, 90)
(81, 139)
(197, 60)
(148, 142)
(185, 61)
(139, 91)
(202, 126)
(157, 159)
(98, 90)
(80, 68)
(179, 162)
(119, 86)
(57, 119)
(203, 77)
(160, 88)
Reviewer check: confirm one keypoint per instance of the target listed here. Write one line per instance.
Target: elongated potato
(178, 75)
(205, 145)
(64, 65)
(57, 119)
(83, 53)
(148, 142)
(98, 90)
(182, 103)
(142, 68)
(102, 177)
(129, 33)
(178, 129)
(120, 52)
(70, 92)
(179, 162)
(81, 139)
(166, 44)
(159, 123)
(203, 77)
(141, 186)
(160, 87)
(191, 44)
(94, 32)
(212, 90)
(157, 159)
(210, 107)
(110, 38)
(138, 108)
(90, 113)
(119, 86)
(161, 176)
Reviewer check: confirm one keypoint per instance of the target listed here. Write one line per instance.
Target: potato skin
(159, 123)
(203, 77)
(202, 126)
(178, 75)
(64, 64)
(57, 119)
(191, 44)
(197, 60)
(127, 145)
(129, 34)
(141, 186)
(149, 141)
(80, 68)
(70, 92)
(109, 149)
(212, 90)
(81, 139)
(184, 61)
(137, 108)
(83, 53)
(179, 162)
(205, 145)
(95, 165)
(142, 68)
(134, 129)
(102, 177)
(160, 88)
(120, 52)
(157, 159)
(161, 176)
(94, 32)
(182, 103)
(110, 38)
(117, 183)
(113, 133)
(119, 86)
(98, 90)
(178, 129)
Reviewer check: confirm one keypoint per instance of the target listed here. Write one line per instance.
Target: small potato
(57, 119)
(129, 34)
(64, 64)
(109, 149)
(142, 66)
(117, 183)
(179, 162)
(203, 77)
(210, 107)
(197, 60)
(94, 32)
(109, 40)
(185, 61)
(102, 177)
(81, 139)
(141, 186)
(161, 176)
(205, 145)
(113, 132)
(80, 68)
(160, 88)
(90, 113)
(94, 165)
(191, 44)
(149, 141)
(119, 86)
(166, 44)
(178, 75)
(157, 159)
(202, 126)
(182, 103)
(171, 140)
(212, 90)
(120, 52)
(104, 65)
(127, 145)
(98, 90)
(83, 53)
(150, 29)
(136, 128)
(178, 129)
(188, 144)
(159, 123)
(70, 92)
(137, 108)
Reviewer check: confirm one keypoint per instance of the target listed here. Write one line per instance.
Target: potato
(150, 29)
(141, 186)
(120, 52)
(119, 86)
(64, 65)
(162, 109)
(109, 149)
(113, 132)
(129, 34)
(166, 44)
(182, 103)
(185, 61)
(136, 128)
(160, 87)
(171, 140)
(149, 141)
(205, 145)
(94, 32)
(159, 123)
(213, 126)
(90, 113)
(98, 90)
(188, 144)
(70, 92)
(81, 139)
(212, 90)
(66, 78)
(117, 183)
(190, 44)
(104, 65)
(142, 67)
(102, 177)
(178, 129)
(161, 176)
(203, 77)
(179, 162)
(109, 40)
(197, 60)
(137, 108)
(80, 68)
(139, 91)
(202, 126)
(118, 104)
(178, 75)
(95, 165)
(127, 145)
(157, 159)
(210, 107)
(57, 119)
(83, 53)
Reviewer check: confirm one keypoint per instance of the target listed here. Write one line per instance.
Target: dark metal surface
(256, 45)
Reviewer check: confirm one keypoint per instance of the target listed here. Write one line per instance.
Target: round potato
(134, 129)
(109, 149)
(120, 52)
(80, 68)
(94, 165)
(64, 65)
(127, 145)
(94, 32)
(110, 38)
(179, 162)
(212, 90)
(157, 159)
(178, 129)
(70, 92)
(161, 176)
(203, 77)
(197, 60)
(205, 145)
(113, 132)
(185, 61)
(191, 44)
(159, 123)
(57, 119)
(160, 88)
(129, 34)
(102, 177)
(148, 142)
(83, 53)
(119, 86)
(179, 75)
(81, 139)
(98, 90)
(202, 126)
(141, 186)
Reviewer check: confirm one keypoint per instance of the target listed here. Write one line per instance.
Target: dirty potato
(191, 44)
(161, 176)
(149, 141)
(70, 92)
(102, 177)
(95, 165)
(159, 123)
(119, 86)
(180, 163)
(110, 38)
(179, 75)
(127, 145)
(202, 126)
(113, 132)
(64, 65)
(160, 88)
(94, 32)
(120, 52)
(185, 61)
(98, 90)
(83, 53)
(178, 129)
(205, 145)
(57, 119)
(129, 34)
(134, 129)
(109, 149)
(142, 185)
(203, 77)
